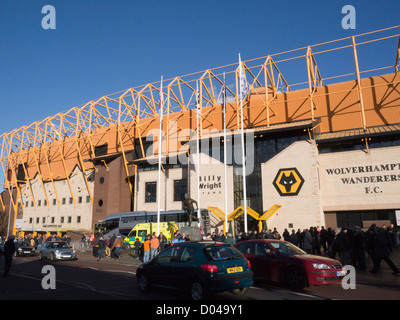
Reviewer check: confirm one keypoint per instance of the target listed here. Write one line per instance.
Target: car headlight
(57, 252)
(320, 266)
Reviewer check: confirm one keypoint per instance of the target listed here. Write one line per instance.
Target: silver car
(57, 250)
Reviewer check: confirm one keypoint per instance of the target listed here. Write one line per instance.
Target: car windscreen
(222, 253)
(60, 245)
(286, 248)
(23, 244)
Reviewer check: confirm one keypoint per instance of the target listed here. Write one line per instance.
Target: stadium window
(64, 200)
(54, 202)
(78, 219)
(69, 219)
(151, 192)
(71, 200)
(180, 188)
(80, 200)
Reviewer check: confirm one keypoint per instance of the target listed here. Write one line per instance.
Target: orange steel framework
(48, 150)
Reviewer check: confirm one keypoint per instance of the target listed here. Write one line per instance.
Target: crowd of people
(348, 245)
(351, 246)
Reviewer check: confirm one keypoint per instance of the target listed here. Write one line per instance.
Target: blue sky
(103, 46)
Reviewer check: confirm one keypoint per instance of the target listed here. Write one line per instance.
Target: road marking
(116, 271)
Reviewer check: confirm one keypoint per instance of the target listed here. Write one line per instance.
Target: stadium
(321, 149)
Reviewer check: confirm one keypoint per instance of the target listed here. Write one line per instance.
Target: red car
(283, 262)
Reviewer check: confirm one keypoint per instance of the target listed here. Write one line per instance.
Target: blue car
(198, 268)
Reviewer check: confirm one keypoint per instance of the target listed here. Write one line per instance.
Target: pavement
(383, 279)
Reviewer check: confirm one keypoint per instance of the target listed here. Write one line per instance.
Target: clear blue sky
(103, 46)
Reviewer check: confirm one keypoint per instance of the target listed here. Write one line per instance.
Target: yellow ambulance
(141, 230)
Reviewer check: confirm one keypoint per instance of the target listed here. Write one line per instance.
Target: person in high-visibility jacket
(146, 249)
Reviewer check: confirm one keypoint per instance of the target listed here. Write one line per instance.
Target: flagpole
(226, 182)
(243, 149)
(198, 151)
(160, 104)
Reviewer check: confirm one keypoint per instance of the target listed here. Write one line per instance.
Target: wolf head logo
(287, 181)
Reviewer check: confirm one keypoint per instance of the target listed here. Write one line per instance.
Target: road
(87, 279)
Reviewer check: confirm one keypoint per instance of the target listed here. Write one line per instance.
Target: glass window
(171, 254)
(188, 254)
(180, 188)
(220, 252)
(151, 192)
(246, 248)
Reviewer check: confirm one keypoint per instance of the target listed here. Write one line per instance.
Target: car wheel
(197, 290)
(240, 291)
(53, 257)
(143, 283)
(40, 256)
(296, 279)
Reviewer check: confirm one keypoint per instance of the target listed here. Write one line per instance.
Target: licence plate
(341, 273)
(27, 252)
(234, 269)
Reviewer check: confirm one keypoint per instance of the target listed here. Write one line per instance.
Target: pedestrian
(40, 242)
(342, 246)
(307, 241)
(380, 251)
(293, 238)
(276, 234)
(286, 235)
(102, 246)
(107, 250)
(146, 249)
(163, 241)
(330, 237)
(393, 236)
(323, 237)
(300, 238)
(112, 240)
(9, 249)
(137, 246)
(154, 245)
(359, 245)
(117, 247)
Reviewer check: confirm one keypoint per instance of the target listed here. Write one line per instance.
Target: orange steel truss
(49, 149)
